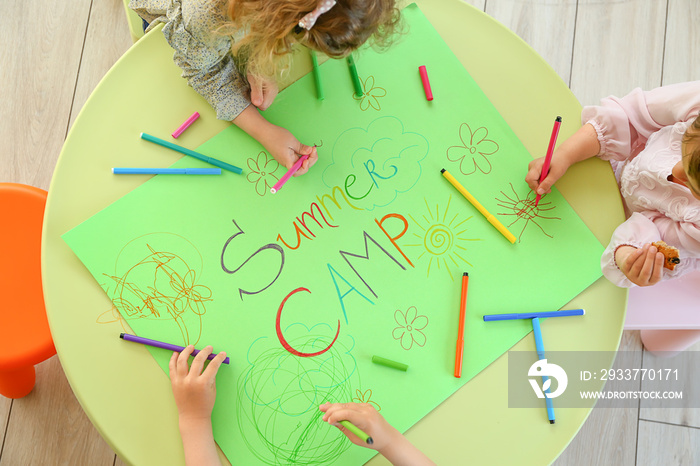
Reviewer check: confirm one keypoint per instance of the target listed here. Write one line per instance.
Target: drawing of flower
(371, 95)
(410, 328)
(472, 154)
(262, 172)
(189, 295)
(366, 397)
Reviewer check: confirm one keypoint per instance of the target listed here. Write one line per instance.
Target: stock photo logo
(547, 371)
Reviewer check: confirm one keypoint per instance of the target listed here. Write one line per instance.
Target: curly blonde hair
(272, 29)
(693, 134)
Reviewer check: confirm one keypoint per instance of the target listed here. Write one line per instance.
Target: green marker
(355, 78)
(356, 430)
(389, 363)
(317, 76)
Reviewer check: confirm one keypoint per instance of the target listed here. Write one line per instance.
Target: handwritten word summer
(341, 276)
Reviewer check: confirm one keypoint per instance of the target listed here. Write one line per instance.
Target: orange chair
(25, 338)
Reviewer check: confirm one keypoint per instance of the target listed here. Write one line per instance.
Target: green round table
(129, 399)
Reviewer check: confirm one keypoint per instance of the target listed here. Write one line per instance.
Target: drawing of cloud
(375, 164)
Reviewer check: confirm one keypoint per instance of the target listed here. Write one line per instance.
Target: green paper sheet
(361, 256)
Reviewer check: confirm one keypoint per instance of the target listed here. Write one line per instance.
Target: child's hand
(387, 440)
(365, 418)
(194, 390)
(262, 92)
(286, 149)
(642, 266)
(557, 168)
(278, 141)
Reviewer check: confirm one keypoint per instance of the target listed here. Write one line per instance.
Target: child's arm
(629, 258)
(387, 440)
(279, 142)
(582, 145)
(195, 393)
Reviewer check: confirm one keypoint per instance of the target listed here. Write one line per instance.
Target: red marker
(426, 83)
(550, 151)
(460, 331)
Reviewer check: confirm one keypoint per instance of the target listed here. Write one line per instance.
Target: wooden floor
(53, 54)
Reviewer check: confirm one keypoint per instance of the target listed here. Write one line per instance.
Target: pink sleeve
(683, 235)
(641, 229)
(624, 124)
(635, 231)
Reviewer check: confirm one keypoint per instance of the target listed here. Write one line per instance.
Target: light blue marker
(540, 354)
(166, 171)
(191, 153)
(532, 315)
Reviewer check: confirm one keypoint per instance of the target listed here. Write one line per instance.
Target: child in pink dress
(652, 140)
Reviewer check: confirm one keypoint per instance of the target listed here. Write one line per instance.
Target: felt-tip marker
(357, 431)
(160, 344)
(165, 171)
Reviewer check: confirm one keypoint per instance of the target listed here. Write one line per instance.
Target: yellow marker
(492, 220)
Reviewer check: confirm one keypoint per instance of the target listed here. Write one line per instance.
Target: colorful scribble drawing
(442, 238)
(523, 210)
(371, 96)
(262, 172)
(279, 395)
(111, 316)
(159, 285)
(410, 328)
(473, 154)
(366, 397)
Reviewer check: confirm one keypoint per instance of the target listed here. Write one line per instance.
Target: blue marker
(540, 354)
(166, 171)
(533, 315)
(191, 153)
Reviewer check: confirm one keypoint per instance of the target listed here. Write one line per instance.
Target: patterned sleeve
(625, 124)
(203, 54)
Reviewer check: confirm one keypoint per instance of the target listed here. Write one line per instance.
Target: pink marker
(426, 83)
(185, 125)
(289, 174)
(548, 157)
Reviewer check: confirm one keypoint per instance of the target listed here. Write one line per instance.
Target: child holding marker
(386, 439)
(194, 390)
(652, 140)
(233, 51)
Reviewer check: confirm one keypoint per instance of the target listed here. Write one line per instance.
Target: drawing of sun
(523, 210)
(442, 238)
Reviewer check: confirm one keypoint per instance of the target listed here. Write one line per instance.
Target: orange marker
(460, 331)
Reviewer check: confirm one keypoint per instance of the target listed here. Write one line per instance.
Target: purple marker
(160, 344)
